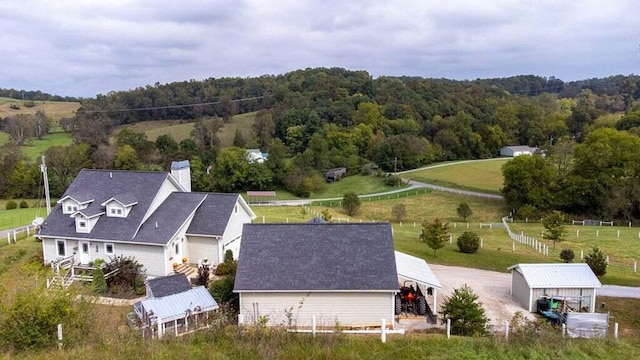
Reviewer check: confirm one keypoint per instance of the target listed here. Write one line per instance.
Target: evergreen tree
(597, 261)
(350, 203)
(465, 311)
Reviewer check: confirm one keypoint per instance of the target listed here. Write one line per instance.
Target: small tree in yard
(597, 261)
(350, 203)
(554, 230)
(399, 212)
(464, 211)
(567, 255)
(465, 311)
(435, 234)
(468, 242)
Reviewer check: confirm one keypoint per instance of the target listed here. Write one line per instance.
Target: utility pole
(395, 171)
(45, 178)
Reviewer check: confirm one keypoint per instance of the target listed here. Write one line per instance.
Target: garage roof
(416, 269)
(558, 275)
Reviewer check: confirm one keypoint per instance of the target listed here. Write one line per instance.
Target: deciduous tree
(350, 203)
(435, 234)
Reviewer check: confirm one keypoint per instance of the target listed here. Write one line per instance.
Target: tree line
(315, 119)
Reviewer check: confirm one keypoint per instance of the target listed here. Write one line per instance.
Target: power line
(166, 107)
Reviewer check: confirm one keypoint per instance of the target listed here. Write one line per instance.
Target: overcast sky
(88, 47)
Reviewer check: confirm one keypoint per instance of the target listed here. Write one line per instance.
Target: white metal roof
(416, 269)
(558, 275)
(175, 306)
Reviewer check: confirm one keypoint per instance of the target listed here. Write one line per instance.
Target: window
(108, 249)
(235, 209)
(71, 209)
(82, 224)
(176, 247)
(60, 245)
(116, 211)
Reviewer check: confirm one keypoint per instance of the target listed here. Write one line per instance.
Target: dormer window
(116, 211)
(82, 224)
(70, 209)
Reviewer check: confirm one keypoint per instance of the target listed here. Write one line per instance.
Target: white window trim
(64, 247)
(113, 248)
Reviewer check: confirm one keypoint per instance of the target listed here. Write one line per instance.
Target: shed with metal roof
(574, 282)
(411, 268)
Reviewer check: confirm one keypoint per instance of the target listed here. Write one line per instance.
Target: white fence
(20, 233)
(539, 246)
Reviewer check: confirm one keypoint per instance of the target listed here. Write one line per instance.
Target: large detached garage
(343, 274)
(575, 283)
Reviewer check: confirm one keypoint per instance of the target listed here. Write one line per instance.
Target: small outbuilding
(341, 274)
(513, 151)
(575, 283)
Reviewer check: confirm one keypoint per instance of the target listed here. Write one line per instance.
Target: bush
(465, 311)
(228, 255)
(14, 106)
(99, 284)
(464, 211)
(227, 268)
(23, 204)
(597, 261)
(203, 276)
(222, 291)
(567, 255)
(399, 212)
(28, 103)
(350, 203)
(468, 242)
(128, 279)
(11, 205)
(392, 180)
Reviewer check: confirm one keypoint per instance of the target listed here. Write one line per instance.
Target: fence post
(506, 330)
(597, 233)
(581, 254)
(564, 329)
(607, 259)
(635, 266)
(313, 326)
(15, 238)
(481, 243)
(383, 330)
(450, 239)
(577, 233)
(59, 336)
(513, 247)
(448, 328)
(618, 233)
(615, 330)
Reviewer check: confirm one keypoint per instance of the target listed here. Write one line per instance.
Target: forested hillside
(315, 119)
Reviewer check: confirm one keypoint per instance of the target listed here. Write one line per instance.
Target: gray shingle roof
(213, 215)
(101, 185)
(316, 257)
(168, 285)
(168, 217)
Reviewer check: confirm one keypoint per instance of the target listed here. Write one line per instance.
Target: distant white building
(513, 151)
(255, 155)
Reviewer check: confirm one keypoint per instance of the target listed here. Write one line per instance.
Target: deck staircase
(189, 270)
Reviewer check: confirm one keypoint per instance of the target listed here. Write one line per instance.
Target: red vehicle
(410, 300)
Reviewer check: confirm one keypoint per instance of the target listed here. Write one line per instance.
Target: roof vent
(156, 224)
(110, 175)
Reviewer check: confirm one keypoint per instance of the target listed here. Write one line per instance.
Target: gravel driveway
(491, 287)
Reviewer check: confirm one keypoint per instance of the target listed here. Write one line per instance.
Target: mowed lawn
(476, 175)
(621, 244)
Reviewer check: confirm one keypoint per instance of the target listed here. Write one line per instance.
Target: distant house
(255, 155)
(336, 174)
(513, 151)
(146, 215)
(346, 274)
(574, 282)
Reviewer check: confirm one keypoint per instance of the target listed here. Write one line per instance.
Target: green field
(54, 109)
(35, 148)
(483, 175)
(181, 130)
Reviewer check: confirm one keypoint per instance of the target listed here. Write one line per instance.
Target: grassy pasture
(54, 109)
(484, 176)
(34, 148)
(181, 130)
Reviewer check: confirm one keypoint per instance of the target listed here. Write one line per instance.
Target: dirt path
(491, 287)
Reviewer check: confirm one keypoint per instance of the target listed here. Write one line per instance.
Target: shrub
(350, 203)
(99, 284)
(128, 279)
(464, 211)
(468, 242)
(567, 255)
(222, 291)
(326, 215)
(392, 180)
(227, 268)
(23, 204)
(11, 205)
(597, 261)
(203, 276)
(14, 106)
(465, 311)
(28, 103)
(228, 255)
(399, 212)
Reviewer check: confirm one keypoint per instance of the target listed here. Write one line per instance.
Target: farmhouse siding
(201, 247)
(233, 231)
(50, 251)
(330, 309)
(154, 258)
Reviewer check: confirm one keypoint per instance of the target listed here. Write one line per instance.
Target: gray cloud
(82, 48)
